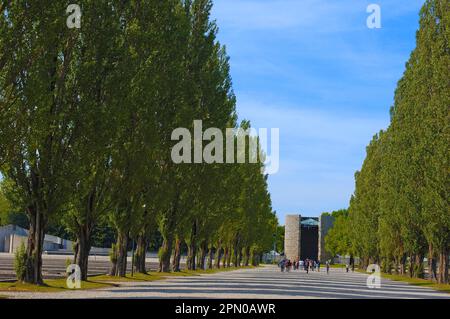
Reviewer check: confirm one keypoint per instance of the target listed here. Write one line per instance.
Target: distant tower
(325, 224)
(292, 236)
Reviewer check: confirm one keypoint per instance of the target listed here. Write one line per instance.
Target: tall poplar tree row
(400, 211)
(86, 118)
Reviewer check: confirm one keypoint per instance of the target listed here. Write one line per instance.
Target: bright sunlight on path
(263, 282)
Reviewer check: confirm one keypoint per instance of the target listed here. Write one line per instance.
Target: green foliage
(338, 240)
(103, 235)
(339, 213)
(5, 208)
(20, 262)
(279, 238)
(9, 214)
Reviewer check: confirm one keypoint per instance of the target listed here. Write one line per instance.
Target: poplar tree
(37, 106)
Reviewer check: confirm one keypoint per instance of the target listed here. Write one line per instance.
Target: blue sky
(314, 70)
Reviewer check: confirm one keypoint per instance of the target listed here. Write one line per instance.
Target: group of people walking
(307, 265)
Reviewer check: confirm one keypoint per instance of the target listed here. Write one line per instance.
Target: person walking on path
(328, 266)
(347, 267)
(352, 263)
(318, 266)
(282, 264)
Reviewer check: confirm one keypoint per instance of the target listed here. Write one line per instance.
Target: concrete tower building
(292, 236)
(304, 237)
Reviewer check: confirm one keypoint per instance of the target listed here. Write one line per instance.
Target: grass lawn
(103, 281)
(152, 276)
(418, 282)
(50, 285)
(415, 281)
(336, 266)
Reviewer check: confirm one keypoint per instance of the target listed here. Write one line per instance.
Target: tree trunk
(122, 254)
(236, 252)
(396, 265)
(239, 261)
(229, 258)
(210, 258)
(235, 257)
(403, 265)
(254, 257)
(190, 260)
(419, 271)
(165, 253)
(177, 256)
(247, 256)
(167, 232)
(431, 264)
(225, 256)
(443, 266)
(33, 272)
(411, 265)
(218, 255)
(198, 259)
(141, 250)
(257, 259)
(203, 252)
(84, 235)
(113, 259)
(83, 247)
(192, 248)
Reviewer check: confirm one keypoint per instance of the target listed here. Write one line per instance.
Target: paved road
(264, 282)
(53, 266)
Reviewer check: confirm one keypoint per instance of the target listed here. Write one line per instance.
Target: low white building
(12, 236)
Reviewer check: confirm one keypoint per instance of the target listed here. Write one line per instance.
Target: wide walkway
(264, 282)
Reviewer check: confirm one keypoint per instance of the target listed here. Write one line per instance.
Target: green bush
(20, 262)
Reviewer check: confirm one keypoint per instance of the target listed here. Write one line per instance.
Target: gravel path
(264, 282)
